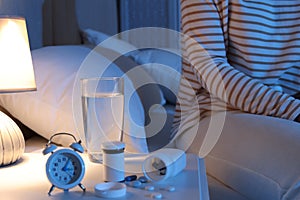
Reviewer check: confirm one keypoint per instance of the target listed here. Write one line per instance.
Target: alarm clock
(64, 168)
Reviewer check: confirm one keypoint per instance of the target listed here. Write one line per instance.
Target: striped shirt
(241, 55)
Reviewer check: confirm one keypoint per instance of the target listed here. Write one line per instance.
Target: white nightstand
(27, 180)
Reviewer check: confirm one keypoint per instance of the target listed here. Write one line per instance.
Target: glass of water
(103, 111)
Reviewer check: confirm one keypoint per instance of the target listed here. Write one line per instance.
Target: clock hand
(66, 165)
(70, 174)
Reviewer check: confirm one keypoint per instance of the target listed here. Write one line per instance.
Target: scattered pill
(130, 178)
(156, 195)
(149, 187)
(170, 188)
(135, 184)
(143, 179)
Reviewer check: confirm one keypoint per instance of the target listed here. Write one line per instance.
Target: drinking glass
(103, 111)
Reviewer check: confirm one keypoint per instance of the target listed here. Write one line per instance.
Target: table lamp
(16, 75)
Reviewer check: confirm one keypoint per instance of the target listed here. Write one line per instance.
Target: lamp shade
(16, 69)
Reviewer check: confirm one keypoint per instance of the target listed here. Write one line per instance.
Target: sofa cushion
(256, 155)
(257, 158)
(220, 191)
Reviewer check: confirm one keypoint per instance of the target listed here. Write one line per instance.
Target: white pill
(135, 184)
(143, 179)
(170, 188)
(149, 187)
(156, 195)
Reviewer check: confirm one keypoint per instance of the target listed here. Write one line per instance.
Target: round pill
(143, 179)
(149, 187)
(156, 195)
(170, 188)
(135, 184)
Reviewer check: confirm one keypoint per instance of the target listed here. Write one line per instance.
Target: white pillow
(49, 109)
(93, 37)
(164, 65)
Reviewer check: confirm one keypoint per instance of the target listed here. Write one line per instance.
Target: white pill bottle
(113, 161)
(163, 164)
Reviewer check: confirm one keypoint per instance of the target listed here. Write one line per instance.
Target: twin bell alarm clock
(65, 167)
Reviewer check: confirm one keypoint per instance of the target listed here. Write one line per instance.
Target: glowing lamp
(16, 75)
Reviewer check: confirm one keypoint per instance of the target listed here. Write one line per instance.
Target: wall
(97, 14)
(102, 15)
(32, 11)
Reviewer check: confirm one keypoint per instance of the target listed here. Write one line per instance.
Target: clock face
(65, 168)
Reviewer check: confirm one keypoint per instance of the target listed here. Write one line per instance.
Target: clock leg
(51, 189)
(82, 187)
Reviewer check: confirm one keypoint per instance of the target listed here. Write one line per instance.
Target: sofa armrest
(258, 157)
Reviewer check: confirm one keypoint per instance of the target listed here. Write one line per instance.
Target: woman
(236, 104)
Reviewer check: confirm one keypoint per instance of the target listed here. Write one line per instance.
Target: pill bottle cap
(113, 146)
(110, 190)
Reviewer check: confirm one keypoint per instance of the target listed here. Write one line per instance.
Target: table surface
(27, 179)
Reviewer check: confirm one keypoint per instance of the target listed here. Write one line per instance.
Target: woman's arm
(205, 29)
(297, 96)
